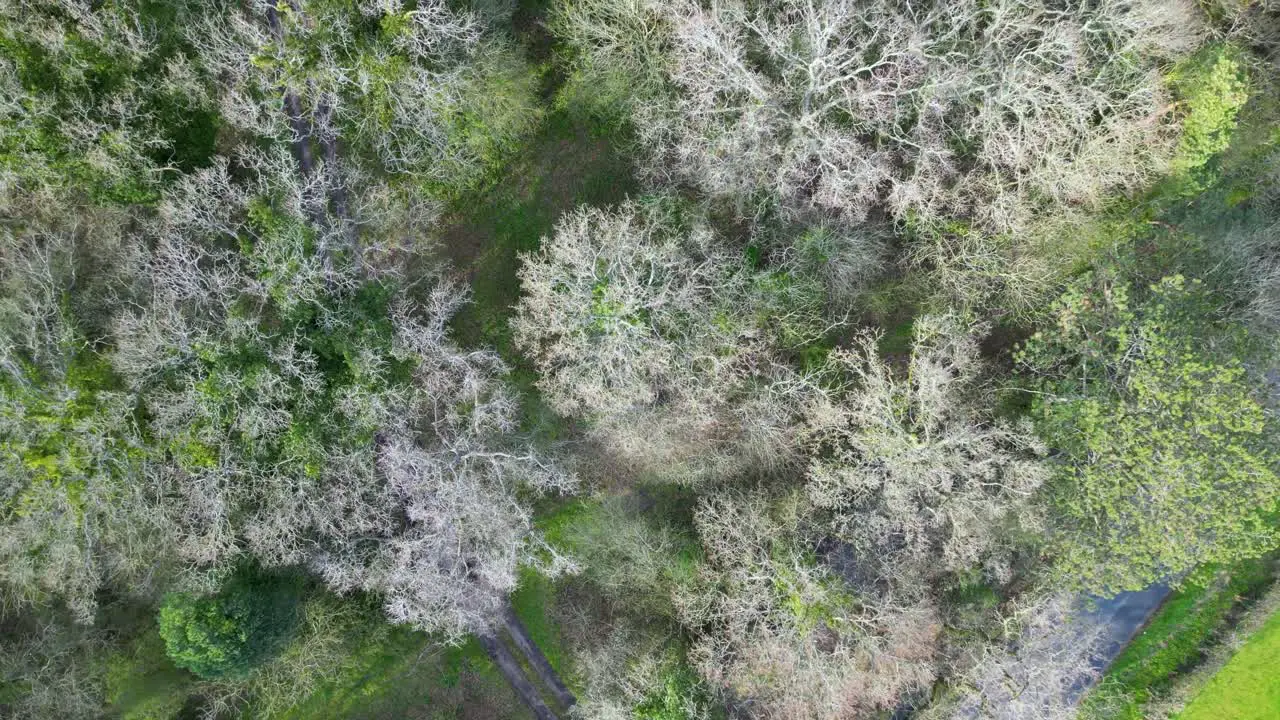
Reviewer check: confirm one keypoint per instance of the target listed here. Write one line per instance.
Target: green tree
(233, 632)
(1163, 446)
(1213, 87)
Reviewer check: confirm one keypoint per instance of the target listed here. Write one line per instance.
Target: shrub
(636, 563)
(680, 695)
(1213, 87)
(233, 632)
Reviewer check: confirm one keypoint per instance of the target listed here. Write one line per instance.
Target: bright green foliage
(1165, 462)
(57, 432)
(1213, 87)
(233, 632)
(142, 684)
(68, 453)
(680, 691)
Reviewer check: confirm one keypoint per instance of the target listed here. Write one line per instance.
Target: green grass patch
(1248, 688)
(403, 674)
(569, 164)
(532, 602)
(141, 683)
(369, 677)
(1173, 641)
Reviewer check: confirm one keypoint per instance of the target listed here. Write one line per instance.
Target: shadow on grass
(569, 164)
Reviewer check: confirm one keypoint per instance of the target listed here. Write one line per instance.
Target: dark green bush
(233, 632)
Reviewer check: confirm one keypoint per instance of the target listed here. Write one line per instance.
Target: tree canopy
(1166, 458)
(781, 359)
(232, 632)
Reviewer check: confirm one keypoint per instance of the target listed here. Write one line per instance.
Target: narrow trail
(1117, 620)
(517, 636)
(1065, 647)
(1125, 615)
(1095, 632)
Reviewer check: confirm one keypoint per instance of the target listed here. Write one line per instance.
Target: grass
(531, 601)
(569, 164)
(370, 676)
(1248, 688)
(406, 674)
(1173, 641)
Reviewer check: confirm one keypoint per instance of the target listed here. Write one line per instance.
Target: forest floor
(568, 164)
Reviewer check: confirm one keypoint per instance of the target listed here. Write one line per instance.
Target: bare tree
(452, 567)
(615, 307)
(408, 95)
(410, 486)
(75, 516)
(783, 635)
(641, 321)
(1035, 671)
(911, 469)
(71, 132)
(973, 110)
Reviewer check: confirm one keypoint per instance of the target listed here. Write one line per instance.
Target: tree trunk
(301, 133)
(337, 186)
(293, 108)
(510, 669)
(537, 660)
